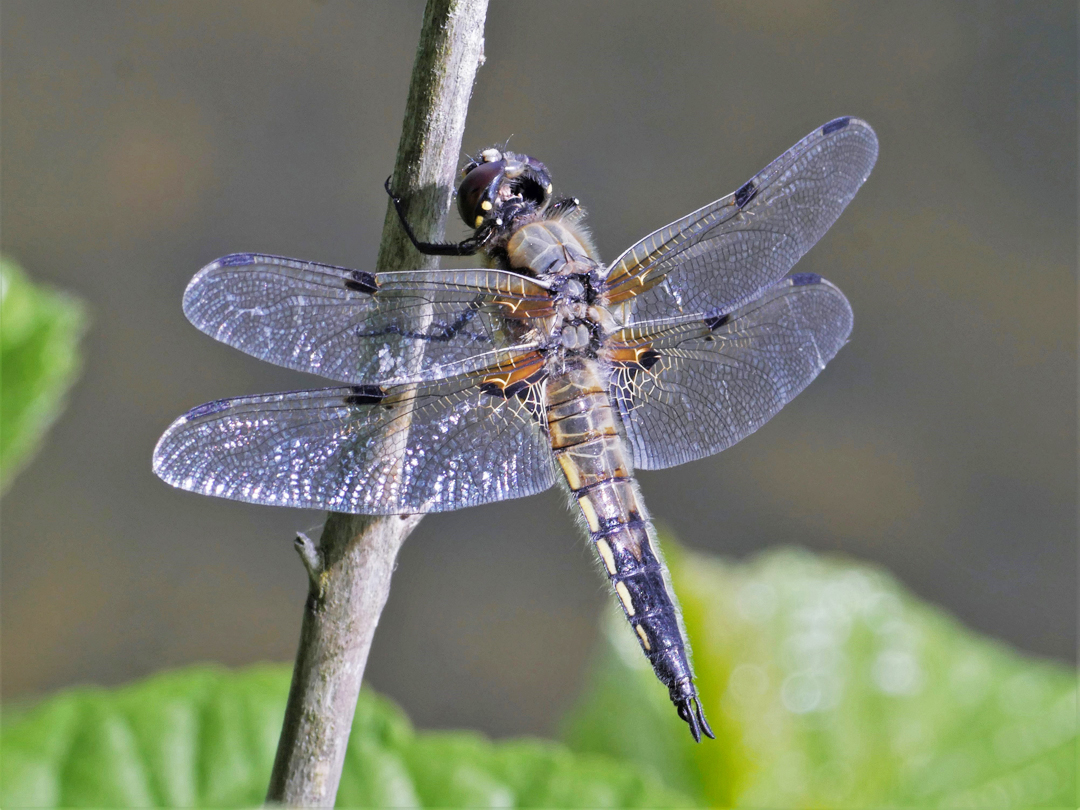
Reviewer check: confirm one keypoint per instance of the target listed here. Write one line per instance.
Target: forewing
(357, 327)
(723, 255)
(712, 382)
(363, 449)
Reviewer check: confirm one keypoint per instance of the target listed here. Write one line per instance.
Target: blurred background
(141, 141)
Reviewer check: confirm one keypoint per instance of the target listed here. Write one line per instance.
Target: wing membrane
(716, 381)
(362, 449)
(358, 327)
(723, 255)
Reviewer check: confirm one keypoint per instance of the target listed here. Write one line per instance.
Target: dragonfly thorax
(576, 328)
(574, 288)
(577, 335)
(551, 248)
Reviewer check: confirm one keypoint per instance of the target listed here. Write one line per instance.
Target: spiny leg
(467, 247)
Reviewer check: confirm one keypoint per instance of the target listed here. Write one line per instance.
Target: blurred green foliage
(826, 683)
(830, 686)
(39, 335)
(203, 737)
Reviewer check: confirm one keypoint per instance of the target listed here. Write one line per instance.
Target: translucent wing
(706, 384)
(725, 254)
(364, 449)
(358, 327)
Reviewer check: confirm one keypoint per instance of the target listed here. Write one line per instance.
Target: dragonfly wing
(707, 384)
(358, 327)
(365, 449)
(723, 255)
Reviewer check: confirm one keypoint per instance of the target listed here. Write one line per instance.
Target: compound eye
(473, 191)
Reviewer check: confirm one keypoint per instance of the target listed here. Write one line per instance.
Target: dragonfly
(545, 366)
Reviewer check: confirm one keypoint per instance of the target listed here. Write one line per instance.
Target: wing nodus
(590, 452)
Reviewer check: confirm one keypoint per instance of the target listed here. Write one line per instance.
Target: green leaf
(206, 737)
(39, 335)
(828, 685)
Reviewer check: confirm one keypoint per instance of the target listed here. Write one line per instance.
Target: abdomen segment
(590, 452)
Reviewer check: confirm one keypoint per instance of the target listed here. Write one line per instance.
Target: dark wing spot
(366, 395)
(518, 388)
(515, 388)
(234, 259)
(835, 125)
(717, 321)
(643, 361)
(802, 279)
(207, 409)
(745, 194)
(360, 281)
(649, 358)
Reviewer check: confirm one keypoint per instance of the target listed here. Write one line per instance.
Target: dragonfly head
(497, 186)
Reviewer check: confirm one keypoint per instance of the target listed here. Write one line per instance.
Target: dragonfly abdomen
(593, 459)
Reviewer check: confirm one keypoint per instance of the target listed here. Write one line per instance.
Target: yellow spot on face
(624, 595)
(589, 511)
(644, 638)
(548, 189)
(479, 221)
(485, 205)
(606, 555)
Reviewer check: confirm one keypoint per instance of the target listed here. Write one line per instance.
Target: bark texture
(351, 568)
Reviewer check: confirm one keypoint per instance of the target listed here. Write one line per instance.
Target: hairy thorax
(559, 251)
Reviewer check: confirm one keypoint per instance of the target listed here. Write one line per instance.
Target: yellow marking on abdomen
(624, 595)
(574, 430)
(591, 518)
(570, 470)
(599, 458)
(644, 638)
(606, 555)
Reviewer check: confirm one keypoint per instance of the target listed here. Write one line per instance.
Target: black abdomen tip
(690, 710)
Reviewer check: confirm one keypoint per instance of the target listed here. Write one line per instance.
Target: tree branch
(350, 571)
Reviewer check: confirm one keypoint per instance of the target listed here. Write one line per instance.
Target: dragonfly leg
(466, 247)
